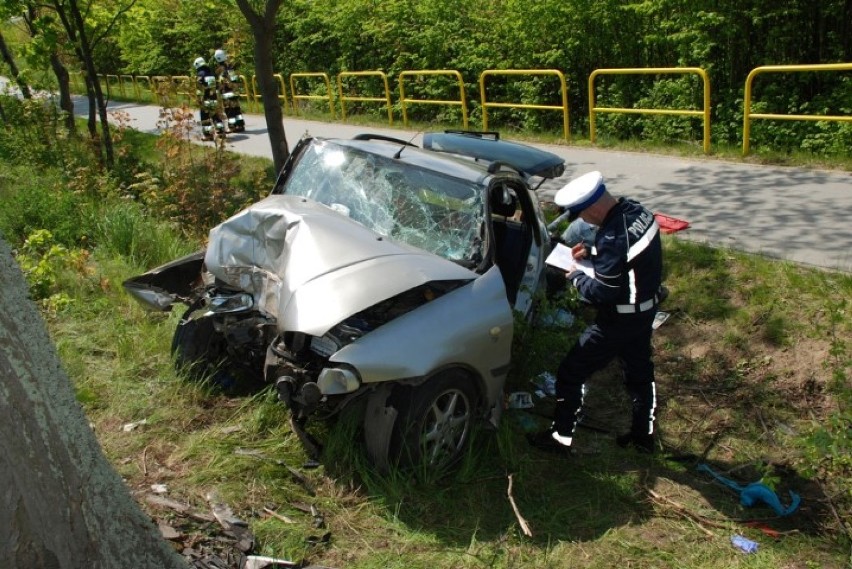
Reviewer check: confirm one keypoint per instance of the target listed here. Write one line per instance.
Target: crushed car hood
(312, 267)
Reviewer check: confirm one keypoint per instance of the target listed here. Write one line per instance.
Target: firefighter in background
(229, 89)
(208, 100)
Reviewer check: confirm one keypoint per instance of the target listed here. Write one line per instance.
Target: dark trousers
(627, 336)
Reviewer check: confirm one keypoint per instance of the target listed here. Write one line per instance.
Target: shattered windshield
(419, 207)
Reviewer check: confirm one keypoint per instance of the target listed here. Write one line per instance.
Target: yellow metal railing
(705, 112)
(125, 80)
(106, 84)
(165, 90)
(528, 72)
(245, 91)
(462, 101)
(183, 86)
(343, 98)
(162, 85)
(282, 92)
(748, 115)
(296, 97)
(109, 81)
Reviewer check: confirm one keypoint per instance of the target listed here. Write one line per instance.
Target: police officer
(627, 261)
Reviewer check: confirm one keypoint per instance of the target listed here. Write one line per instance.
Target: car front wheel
(434, 423)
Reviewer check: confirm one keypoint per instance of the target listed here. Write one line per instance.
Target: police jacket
(628, 260)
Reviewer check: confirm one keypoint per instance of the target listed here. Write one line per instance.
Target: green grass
(753, 361)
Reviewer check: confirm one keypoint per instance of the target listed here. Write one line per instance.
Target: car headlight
(341, 335)
(337, 381)
(239, 302)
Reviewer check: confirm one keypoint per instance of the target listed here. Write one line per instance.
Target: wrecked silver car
(375, 271)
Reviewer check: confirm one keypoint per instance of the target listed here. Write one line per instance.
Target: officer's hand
(578, 251)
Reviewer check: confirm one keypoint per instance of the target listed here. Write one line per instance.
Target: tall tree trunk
(263, 28)
(89, 63)
(64, 82)
(13, 69)
(62, 506)
(62, 77)
(74, 26)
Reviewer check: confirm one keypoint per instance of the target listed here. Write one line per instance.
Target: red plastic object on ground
(669, 224)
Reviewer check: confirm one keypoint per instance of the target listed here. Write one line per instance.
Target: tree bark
(263, 29)
(65, 102)
(13, 68)
(62, 506)
(72, 21)
(62, 78)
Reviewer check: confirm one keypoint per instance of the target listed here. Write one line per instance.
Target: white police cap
(580, 193)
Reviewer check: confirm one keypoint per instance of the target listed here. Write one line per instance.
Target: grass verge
(753, 371)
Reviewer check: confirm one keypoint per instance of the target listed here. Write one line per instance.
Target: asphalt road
(796, 214)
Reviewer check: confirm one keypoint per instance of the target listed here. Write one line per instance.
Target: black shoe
(544, 441)
(641, 443)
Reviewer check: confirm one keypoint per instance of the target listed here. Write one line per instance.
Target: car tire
(434, 422)
(197, 352)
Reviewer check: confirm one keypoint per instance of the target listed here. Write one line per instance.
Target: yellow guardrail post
(705, 112)
(104, 80)
(282, 92)
(297, 98)
(125, 79)
(138, 80)
(113, 80)
(161, 86)
(462, 101)
(183, 86)
(245, 91)
(386, 99)
(748, 115)
(555, 72)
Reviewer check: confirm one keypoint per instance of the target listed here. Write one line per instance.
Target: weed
(195, 189)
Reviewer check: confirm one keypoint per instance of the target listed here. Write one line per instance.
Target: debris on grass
(127, 427)
(525, 527)
(744, 544)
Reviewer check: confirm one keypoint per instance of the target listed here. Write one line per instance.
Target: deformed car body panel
(438, 335)
(161, 287)
(311, 267)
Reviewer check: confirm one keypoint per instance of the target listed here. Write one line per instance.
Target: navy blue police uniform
(626, 255)
(627, 260)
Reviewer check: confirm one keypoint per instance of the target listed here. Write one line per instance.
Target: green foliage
(33, 133)
(124, 229)
(41, 259)
(194, 187)
(163, 38)
(33, 203)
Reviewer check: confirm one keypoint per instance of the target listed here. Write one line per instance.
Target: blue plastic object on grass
(756, 492)
(743, 543)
